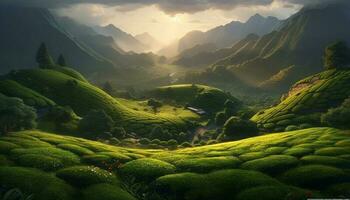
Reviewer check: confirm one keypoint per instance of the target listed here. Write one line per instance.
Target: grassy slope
(13, 89)
(205, 97)
(83, 97)
(307, 100)
(312, 162)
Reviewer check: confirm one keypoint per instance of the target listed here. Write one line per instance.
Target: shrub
(271, 164)
(114, 141)
(182, 137)
(61, 114)
(220, 118)
(172, 142)
(338, 117)
(337, 55)
(15, 115)
(305, 126)
(204, 165)
(155, 141)
(291, 128)
(42, 185)
(154, 104)
(144, 141)
(96, 122)
(230, 108)
(314, 176)
(237, 128)
(186, 144)
(107, 192)
(118, 132)
(40, 162)
(83, 176)
(146, 169)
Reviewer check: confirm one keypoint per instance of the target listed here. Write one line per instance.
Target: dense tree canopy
(237, 128)
(96, 122)
(338, 117)
(337, 55)
(15, 115)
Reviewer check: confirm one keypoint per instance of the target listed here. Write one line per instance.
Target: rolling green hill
(82, 97)
(208, 98)
(306, 101)
(293, 165)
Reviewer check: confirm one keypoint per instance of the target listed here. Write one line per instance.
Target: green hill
(82, 97)
(293, 165)
(306, 101)
(208, 98)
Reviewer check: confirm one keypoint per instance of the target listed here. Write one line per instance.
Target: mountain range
(277, 59)
(84, 48)
(227, 35)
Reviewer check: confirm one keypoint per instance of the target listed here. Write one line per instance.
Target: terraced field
(208, 98)
(292, 165)
(306, 101)
(69, 88)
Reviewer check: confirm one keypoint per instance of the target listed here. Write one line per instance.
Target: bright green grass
(83, 97)
(306, 101)
(13, 89)
(75, 168)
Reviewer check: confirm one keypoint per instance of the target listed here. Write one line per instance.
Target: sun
(176, 18)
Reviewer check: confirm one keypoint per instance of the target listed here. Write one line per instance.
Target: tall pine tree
(61, 61)
(43, 57)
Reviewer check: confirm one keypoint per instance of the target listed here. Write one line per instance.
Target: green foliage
(15, 115)
(314, 176)
(271, 164)
(291, 128)
(106, 192)
(146, 169)
(43, 57)
(61, 60)
(118, 132)
(42, 185)
(42, 162)
(145, 141)
(220, 118)
(96, 122)
(154, 104)
(147, 173)
(338, 117)
(11, 88)
(214, 185)
(237, 128)
(307, 100)
(15, 194)
(67, 158)
(210, 99)
(83, 176)
(172, 143)
(204, 165)
(337, 55)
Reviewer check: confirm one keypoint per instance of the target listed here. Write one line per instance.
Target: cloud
(168, 6)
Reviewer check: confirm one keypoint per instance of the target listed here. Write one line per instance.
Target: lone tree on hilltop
(337, 55)
(61, 61)
(43, 57)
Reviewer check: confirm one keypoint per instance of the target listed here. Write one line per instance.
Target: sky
(167, 27)
(168, 20)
